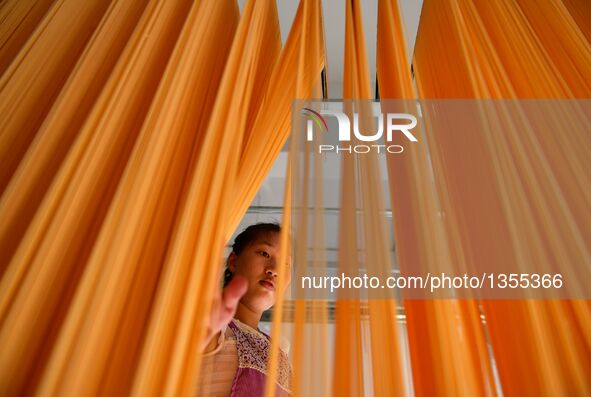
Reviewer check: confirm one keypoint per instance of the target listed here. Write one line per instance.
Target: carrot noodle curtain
(311, 42)
(19, 19)
(105, 156)
(135, 134)
(386, 369)
(517, 49)
(465, 49)
(447, 344)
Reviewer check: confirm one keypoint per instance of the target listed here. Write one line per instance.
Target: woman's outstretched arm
(223, 309)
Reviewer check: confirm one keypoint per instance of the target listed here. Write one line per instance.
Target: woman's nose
(271, 271)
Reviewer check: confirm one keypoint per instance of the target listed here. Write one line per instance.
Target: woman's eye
(265, 254)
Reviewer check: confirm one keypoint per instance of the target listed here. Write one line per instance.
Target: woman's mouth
(268, 284)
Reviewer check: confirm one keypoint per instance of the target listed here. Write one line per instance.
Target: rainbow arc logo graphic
(316, 118)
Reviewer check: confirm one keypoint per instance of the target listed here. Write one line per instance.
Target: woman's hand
(223, 309)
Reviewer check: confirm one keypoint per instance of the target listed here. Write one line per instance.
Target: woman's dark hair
(244, 239)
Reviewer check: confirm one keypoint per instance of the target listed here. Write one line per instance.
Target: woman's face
(258, 263)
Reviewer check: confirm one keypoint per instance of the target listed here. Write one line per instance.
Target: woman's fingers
(222, 310)
(233, 292)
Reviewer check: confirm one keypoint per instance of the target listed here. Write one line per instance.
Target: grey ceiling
(334, 31)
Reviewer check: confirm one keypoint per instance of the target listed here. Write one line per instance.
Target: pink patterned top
(238, 366)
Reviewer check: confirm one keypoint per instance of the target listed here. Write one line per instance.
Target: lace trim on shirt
(255, 354)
